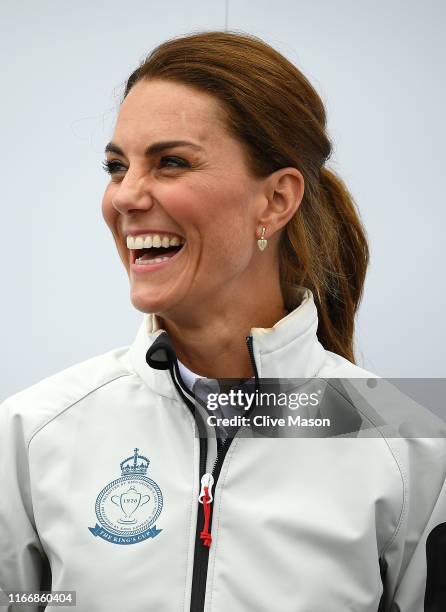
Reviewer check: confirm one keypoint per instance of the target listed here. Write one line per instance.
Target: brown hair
(274, 111)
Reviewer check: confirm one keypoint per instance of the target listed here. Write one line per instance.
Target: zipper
(203, 537)
(205, 498)
(221, 453)
(201, 553)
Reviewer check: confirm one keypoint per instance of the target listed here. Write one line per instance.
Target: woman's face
(199, 192)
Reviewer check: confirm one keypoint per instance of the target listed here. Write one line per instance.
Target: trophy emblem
(128, 507)
(129, 501)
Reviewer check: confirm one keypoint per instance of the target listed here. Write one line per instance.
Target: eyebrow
(156, 147)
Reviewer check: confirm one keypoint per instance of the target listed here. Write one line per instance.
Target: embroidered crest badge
(128, 507)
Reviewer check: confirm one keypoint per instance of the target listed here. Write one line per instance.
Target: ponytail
(324, 248)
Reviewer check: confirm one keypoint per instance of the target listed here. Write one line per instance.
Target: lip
(144, 269)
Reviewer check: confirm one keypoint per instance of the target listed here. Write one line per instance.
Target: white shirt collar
(187, 375)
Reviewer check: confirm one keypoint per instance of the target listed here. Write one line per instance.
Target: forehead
(155, 109)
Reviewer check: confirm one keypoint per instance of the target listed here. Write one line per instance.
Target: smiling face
(199, 193)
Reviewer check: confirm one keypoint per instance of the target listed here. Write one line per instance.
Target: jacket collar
(289, 349)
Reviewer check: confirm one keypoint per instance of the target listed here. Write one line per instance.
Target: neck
(214, 346)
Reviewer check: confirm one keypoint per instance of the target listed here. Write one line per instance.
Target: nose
(132, 195)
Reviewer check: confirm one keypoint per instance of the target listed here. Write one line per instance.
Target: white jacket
(100, 473)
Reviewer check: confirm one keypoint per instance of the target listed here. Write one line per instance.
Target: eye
(111, 166)
(177, 161)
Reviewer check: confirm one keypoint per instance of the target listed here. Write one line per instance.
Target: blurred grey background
(379, 67)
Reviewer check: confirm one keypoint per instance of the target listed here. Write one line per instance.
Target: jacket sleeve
(416, 562)
(23, 563)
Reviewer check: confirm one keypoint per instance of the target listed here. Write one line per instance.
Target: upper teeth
(148, 241)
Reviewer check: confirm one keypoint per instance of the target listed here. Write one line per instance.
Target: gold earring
(262, 241)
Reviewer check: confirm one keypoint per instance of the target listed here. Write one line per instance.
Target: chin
(148, 302)
(145, 304)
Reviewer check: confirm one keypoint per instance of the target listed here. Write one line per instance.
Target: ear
(284, 190)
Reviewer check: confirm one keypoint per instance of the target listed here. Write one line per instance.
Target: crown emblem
(131, 465)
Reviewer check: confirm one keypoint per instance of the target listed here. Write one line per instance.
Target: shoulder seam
(45, 423)
(401, 472)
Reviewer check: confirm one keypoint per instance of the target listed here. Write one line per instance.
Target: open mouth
(153, 250)
(154, 255)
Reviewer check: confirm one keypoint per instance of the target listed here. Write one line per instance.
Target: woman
(248, 257)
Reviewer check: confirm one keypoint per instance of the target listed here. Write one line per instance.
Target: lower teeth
(145, 262)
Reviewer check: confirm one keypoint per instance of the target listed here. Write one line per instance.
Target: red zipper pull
(205, 498)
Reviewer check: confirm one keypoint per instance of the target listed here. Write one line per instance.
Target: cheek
(228, 240)
(233, 247)
(231, 222)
